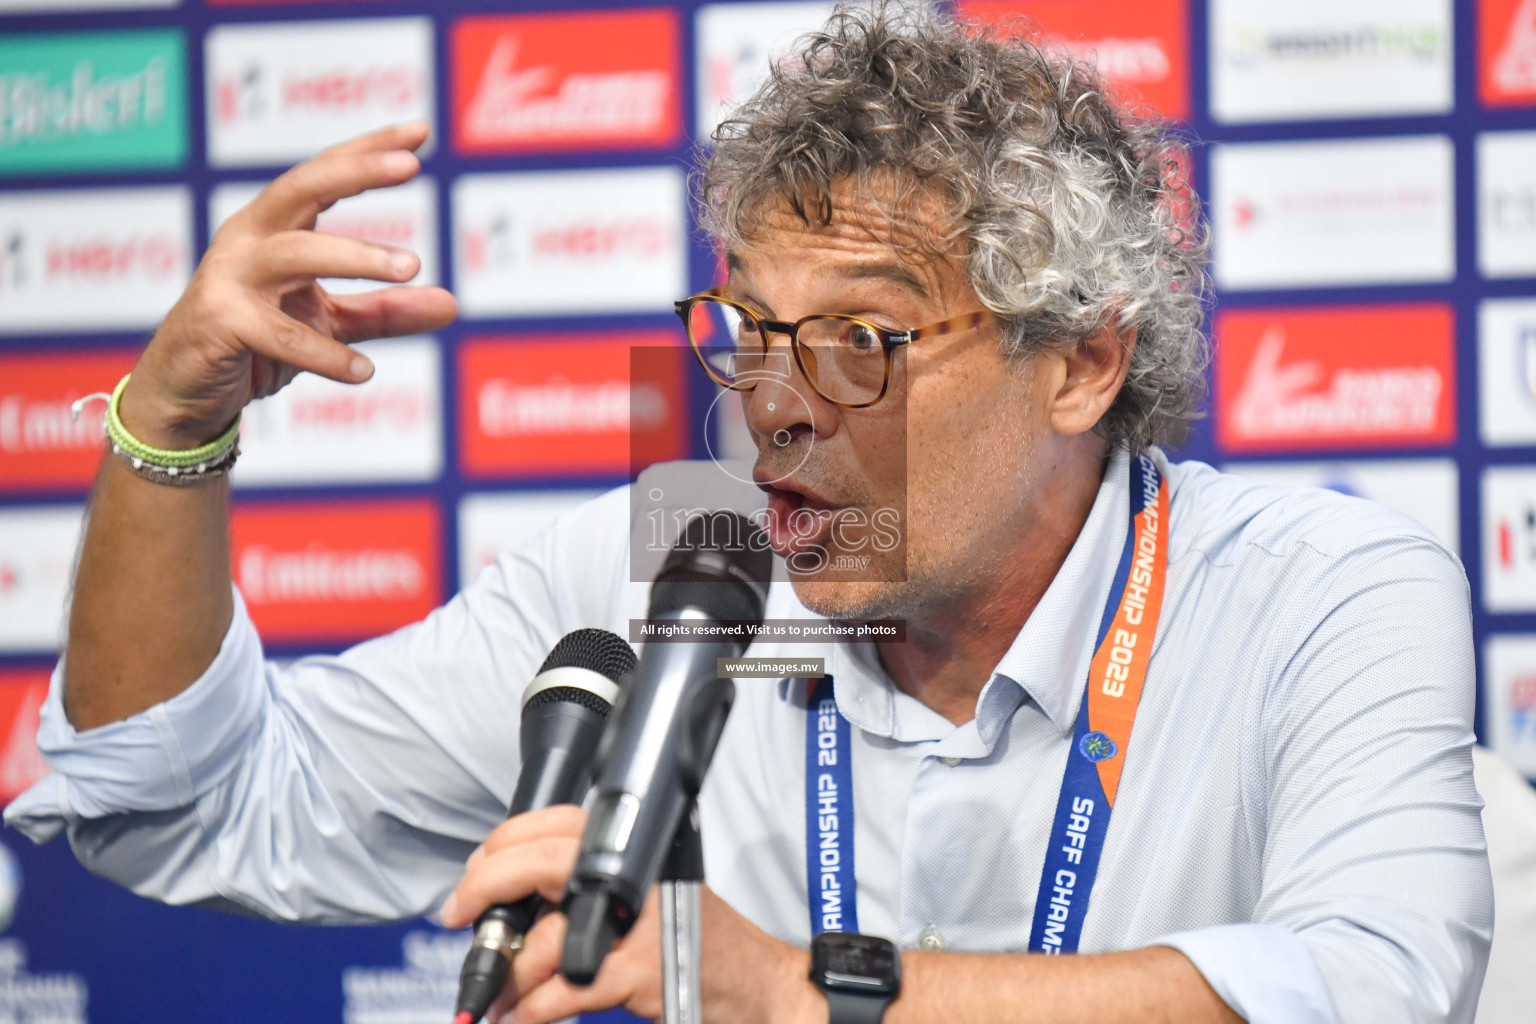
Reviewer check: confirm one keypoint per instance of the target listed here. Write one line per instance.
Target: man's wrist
(153, 423)
(795, 998)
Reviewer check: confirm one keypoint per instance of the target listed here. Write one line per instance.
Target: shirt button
(951, 762)
(931, 940)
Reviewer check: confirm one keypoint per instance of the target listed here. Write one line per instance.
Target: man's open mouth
(798, 519)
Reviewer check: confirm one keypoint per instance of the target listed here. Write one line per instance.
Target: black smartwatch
(859, 975)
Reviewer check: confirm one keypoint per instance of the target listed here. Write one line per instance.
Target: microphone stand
(681, 876)
(682, 873)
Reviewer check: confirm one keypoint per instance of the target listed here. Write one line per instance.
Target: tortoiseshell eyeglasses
(846, 359)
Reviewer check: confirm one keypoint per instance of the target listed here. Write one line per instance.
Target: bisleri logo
(86, 101)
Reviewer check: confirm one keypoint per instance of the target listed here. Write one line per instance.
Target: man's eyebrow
(885, 270)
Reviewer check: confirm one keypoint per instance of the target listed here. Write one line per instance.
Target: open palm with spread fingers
(254, 315)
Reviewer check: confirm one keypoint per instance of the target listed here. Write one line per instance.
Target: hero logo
(523, 82)
(241, 96)
(97, 258)
(316, 431)
(492, 246)
(603, 241)
(283, 91)
(1143, 61)
(1396, 387)
(337, 570)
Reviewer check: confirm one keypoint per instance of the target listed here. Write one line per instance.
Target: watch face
(855, 963)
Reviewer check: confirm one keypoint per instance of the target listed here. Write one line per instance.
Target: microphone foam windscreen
(594, 649)
(722, 564)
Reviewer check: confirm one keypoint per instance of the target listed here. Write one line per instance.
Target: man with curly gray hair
(1210, 736)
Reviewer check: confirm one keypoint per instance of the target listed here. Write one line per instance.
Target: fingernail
(399, 162)
(450, 911)
(361, 368)
(402, 262)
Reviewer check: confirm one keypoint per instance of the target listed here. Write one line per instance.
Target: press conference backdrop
(1369, 167)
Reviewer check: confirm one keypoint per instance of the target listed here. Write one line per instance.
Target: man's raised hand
(253, 315)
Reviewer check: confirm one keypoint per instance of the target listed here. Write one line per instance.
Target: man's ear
(1095, 369)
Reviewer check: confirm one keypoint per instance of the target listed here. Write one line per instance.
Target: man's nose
(782, 405)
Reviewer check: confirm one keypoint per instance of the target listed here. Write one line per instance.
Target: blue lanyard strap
(829, 814)
(1103, 729)
(1090, 783)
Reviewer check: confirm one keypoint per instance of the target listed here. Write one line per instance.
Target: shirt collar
(1048, 660)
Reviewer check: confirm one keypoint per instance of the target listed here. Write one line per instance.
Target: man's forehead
(864, 239)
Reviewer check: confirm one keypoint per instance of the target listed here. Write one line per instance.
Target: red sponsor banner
(577, 404)
(1506, 52)
(592, 79)
(1335, 377)
(1141, 47)
(42, 445)
(340, 570)
(22, 692)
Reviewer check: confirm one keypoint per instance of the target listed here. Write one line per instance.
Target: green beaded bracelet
(164, 458)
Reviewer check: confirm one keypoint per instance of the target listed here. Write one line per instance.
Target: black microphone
(564, 710)
(658, 746)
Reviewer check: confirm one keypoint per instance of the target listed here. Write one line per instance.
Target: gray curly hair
(1073, 215)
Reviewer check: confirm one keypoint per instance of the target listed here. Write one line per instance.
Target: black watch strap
(855, 1007)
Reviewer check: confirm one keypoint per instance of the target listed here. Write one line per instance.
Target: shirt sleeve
(333, 789)
(1373, 849)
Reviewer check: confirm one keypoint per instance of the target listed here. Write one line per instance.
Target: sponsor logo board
(281, 92)
(570, 242)
(1509, 698)
(86, 101)
(338, 570)
(1422, 489)
(37, 556)
(107, 259)
(1351, 58)
(566, 81)
(1506, 204)
(492, 524)
(22, 692)
(736, 45)
(1339, 212)
(1335, 377)
(1509, 539)
(1139, 46)
(1506, 52)
(1506, 366)
(402, 217)
(316, 431)
(42, 443)
(556, 406)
